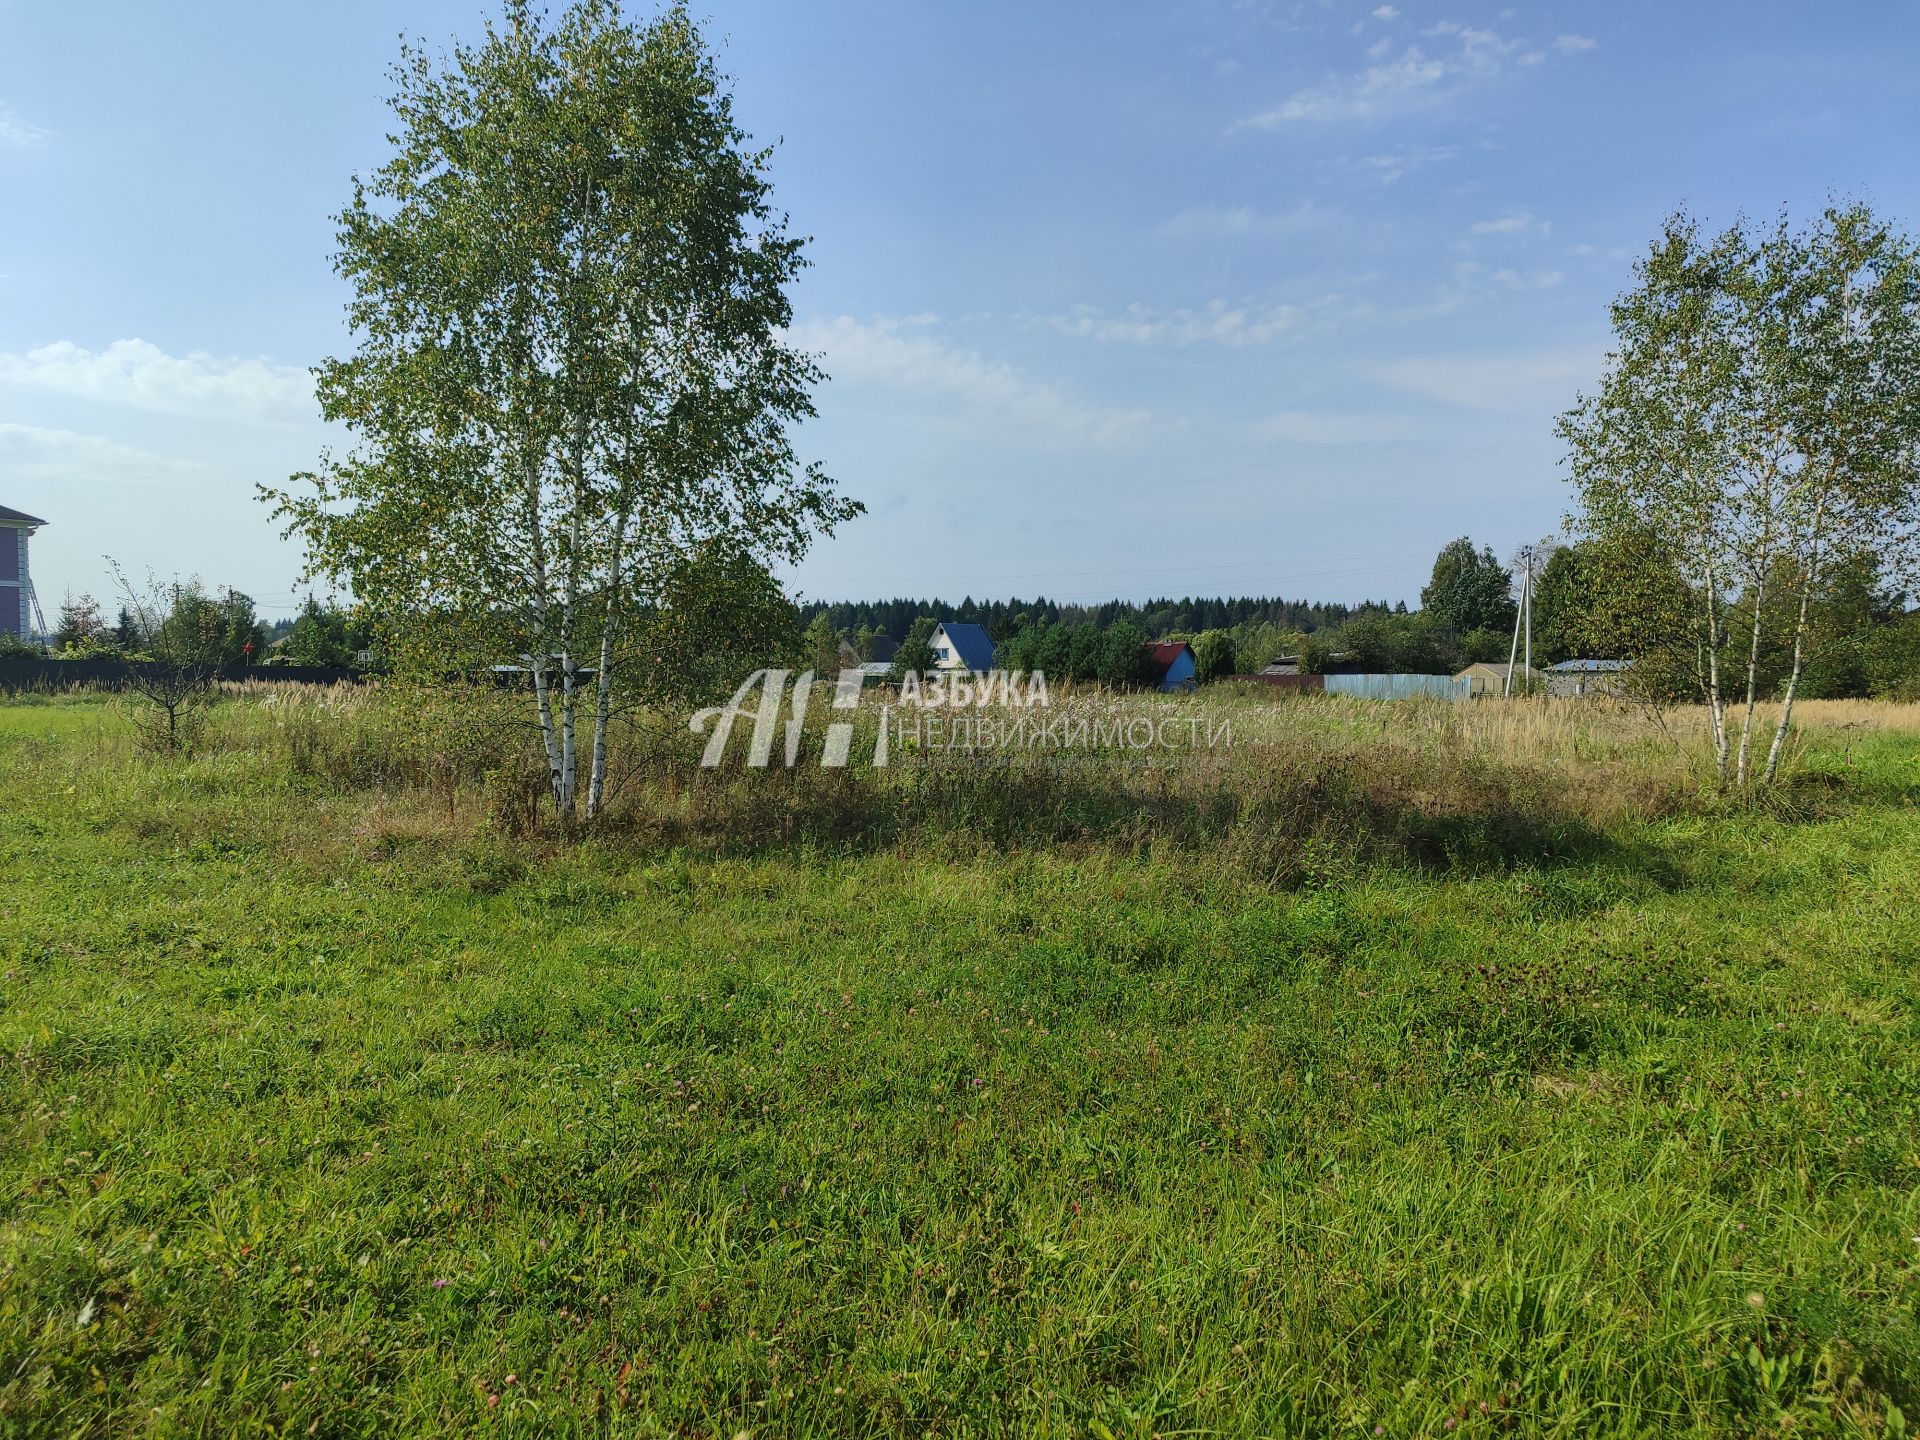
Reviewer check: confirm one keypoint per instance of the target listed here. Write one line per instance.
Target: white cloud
(1386, 12)
(1514, 279)
(1532, 382)
(143, 376)
(1511, 222)
(1575, 44)
(1403, 160)
(1390, 84)
(1208, 222)
(1215, 323)
(902, 355)
(1327, 427)
(18, 133)
(1416, 77)
(1469, 283)
(34, 455)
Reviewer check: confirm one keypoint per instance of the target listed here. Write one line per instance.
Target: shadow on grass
(1288, 821)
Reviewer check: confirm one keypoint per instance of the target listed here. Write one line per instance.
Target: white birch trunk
(1753, 683)
(541, 648)
(1715, 701)
(1809, 577)
(603, 677)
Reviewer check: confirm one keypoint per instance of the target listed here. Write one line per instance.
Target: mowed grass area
(325, 1112)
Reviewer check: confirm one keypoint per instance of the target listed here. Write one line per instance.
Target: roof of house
(970, 642)
(1586, 667)
(1165, 652)
(1336, 662)
(1496, 667)
(18, 517)
(883, 647)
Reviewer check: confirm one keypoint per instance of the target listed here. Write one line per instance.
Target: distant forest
(1002, 618)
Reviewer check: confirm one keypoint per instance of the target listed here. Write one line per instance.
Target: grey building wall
(14, 610)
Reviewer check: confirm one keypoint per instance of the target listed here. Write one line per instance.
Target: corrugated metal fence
(1371, 687)
(1399, 687)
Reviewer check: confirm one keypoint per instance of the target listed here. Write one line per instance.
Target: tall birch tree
(1837, 338)
(571, 376)
(1757, 423)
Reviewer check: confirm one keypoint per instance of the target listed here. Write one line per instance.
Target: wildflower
(441, 1283)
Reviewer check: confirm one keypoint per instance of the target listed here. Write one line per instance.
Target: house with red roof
(1173, 665)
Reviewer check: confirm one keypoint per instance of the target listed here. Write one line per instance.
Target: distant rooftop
(18, 517)
(1587, 667)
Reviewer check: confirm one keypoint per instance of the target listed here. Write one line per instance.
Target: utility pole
(1529, 560)
(1526, 610)
(1513, 650)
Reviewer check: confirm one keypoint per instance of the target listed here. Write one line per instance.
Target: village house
(17, 603)
(1573, 679)
(1489, 677)
(962, 647)
(1173, 665)
(882, 656)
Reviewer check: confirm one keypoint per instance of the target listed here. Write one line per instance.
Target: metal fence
(1399, 687)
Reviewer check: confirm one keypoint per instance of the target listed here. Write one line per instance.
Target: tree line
(225, 630)
(1001, 619)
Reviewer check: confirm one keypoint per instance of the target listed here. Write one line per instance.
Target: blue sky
(1118, 299)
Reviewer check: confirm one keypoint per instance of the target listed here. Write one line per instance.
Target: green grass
(318, 1122)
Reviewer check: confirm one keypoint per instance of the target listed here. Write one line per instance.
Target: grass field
(335, 1104)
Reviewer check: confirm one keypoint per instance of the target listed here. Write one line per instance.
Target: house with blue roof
(958, 646)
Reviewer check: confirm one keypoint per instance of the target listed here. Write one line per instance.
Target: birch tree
(1756, 423)
(571, 373)
(1838, 342)
(1654, 449)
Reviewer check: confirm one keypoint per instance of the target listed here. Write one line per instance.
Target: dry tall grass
(1299, 785)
